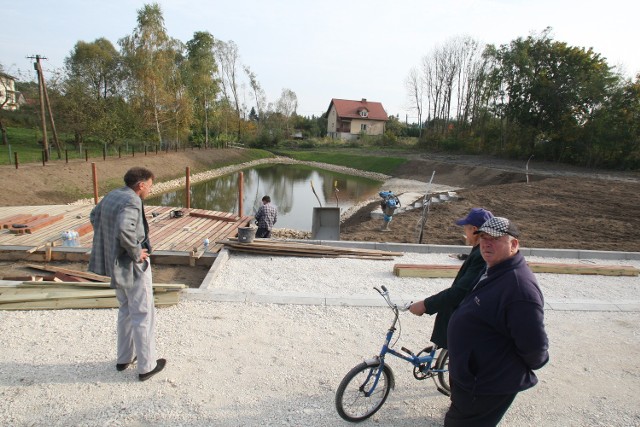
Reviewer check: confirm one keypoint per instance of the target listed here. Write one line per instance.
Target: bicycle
(365, 388)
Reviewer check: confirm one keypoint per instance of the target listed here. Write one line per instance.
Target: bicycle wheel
(442, 362)
(353, 401)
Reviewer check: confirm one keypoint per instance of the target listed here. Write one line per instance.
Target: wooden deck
(175, 240)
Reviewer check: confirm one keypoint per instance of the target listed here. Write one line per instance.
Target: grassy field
(360, 160)
(26, 143)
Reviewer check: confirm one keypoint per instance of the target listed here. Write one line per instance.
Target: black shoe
(160, 363)
(123, 366)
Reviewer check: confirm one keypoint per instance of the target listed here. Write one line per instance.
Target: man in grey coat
(121, 250)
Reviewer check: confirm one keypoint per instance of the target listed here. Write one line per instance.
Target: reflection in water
(289, 187)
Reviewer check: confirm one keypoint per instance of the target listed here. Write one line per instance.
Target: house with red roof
(8, 96)
(348, 119)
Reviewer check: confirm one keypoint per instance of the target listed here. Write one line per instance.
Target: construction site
(306, 312)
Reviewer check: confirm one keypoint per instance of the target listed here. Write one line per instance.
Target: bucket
(246, 234)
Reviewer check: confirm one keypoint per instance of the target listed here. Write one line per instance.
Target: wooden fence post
(188, 189)
(240, 192)
(95, 182)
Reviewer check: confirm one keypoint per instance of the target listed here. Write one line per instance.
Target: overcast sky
(348, 49)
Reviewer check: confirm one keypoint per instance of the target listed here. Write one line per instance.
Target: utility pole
(44, 98)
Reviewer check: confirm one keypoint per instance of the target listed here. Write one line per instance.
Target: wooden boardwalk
(175, 240)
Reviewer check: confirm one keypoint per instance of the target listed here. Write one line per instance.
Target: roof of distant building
(352, 109)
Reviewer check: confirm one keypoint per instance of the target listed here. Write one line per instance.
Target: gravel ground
(245, 364)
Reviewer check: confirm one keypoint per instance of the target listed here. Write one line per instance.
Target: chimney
(364, 99)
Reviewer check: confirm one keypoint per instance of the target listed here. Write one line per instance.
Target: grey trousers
(137, 321)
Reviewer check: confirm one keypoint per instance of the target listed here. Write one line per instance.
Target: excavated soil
(560, 207)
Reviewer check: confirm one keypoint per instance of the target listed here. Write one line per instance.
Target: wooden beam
(77, 273)
(446, 271)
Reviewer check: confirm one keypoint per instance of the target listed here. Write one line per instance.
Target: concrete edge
(289, 298)
(435, 249)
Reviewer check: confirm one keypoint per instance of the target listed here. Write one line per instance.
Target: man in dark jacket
(496, 335)
(446, 301)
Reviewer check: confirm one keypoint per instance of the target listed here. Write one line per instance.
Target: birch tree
(149, 57)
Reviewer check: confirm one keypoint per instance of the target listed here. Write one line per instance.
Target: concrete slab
(287, 298)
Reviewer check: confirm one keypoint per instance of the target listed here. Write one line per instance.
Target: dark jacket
(446, 301)
(497, 336)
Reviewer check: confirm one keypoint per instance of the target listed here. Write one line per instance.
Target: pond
(289, 187)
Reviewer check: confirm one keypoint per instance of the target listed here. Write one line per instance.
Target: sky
(348, 49)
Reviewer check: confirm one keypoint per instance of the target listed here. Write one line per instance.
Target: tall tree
(202, 68)
(228, 59)
(93, 75)
(258, 94)
(415, 88)
(149, 57)
(551, 89)
(287, 105)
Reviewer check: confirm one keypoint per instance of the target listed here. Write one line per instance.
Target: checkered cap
(498, 227)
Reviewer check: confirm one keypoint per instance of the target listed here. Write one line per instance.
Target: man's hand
(144, 254)
(418, 308)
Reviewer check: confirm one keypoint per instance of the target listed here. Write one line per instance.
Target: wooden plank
(96, 285)
(214, 216)
(88, 303)
(300, 249)
(37, 224)
(39, 295)
(78, 273)
(83, 229)
(593, 269)
(432, 271)
(20, 219)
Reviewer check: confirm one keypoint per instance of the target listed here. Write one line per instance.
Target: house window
(364, 113)
(363, 127)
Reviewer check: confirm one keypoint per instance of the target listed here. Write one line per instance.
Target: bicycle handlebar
(385, 294)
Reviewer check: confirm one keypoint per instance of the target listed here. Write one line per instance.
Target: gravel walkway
(249, 364)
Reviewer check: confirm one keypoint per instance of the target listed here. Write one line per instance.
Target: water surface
(289, 187)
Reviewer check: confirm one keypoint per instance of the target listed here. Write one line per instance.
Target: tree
(201, 81)
(287, 105)
(415, 89)
(149, 58)
(93, 75)
(228, 59)
(550, 90)
(258, 94)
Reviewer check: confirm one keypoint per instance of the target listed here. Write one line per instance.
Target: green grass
(25, 142)
(380, 164)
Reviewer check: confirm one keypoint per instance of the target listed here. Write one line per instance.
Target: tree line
(534, 96)
(157, 89)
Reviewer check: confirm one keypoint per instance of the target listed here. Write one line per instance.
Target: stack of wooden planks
(92, 291)
(28, 224)
(443, 271)
(280, 247)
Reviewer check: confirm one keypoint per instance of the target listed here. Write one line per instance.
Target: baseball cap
(476, 217)
(498, 227)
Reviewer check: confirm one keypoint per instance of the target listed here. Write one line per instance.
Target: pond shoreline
(162, 187)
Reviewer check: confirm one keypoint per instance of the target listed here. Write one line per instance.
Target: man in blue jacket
(496, 336)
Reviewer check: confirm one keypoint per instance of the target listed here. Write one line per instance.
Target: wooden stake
(95, 182)
(187, 189)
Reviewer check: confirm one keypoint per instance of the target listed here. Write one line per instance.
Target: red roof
(351, 109)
